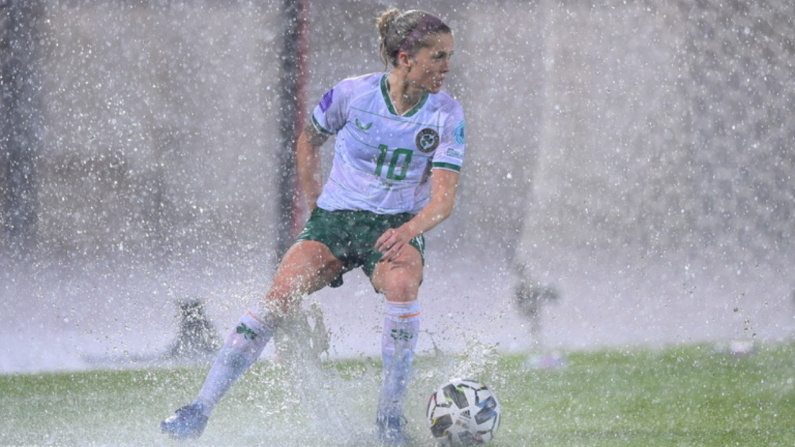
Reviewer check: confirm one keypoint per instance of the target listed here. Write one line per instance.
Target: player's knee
(281, 299)
(401, 289)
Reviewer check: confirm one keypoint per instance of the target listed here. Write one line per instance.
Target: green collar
(391, 107)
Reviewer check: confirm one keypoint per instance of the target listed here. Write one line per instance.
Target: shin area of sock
(240, 350)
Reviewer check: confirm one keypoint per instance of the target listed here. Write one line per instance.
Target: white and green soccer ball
(463, 412)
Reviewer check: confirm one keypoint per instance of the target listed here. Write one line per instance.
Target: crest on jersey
(427, 140)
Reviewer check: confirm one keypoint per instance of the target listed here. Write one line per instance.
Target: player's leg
(399, 281)
(307, 267)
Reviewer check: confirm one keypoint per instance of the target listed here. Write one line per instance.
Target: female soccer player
(398, 153)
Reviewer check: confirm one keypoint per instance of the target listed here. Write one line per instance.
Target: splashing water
(333, 401)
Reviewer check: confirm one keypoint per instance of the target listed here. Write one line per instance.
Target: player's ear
(404, 60)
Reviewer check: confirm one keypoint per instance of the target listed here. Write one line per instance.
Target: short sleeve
(331, 113)
(450, 154)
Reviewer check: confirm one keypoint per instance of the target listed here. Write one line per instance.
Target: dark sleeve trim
(449, 166)
(319, 127)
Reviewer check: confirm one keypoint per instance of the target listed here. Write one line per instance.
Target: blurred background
(629, 171)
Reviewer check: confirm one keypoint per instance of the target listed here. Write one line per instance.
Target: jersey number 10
(398, 164)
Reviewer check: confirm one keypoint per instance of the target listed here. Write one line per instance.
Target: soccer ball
(463, 412)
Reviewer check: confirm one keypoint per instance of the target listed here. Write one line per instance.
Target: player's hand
(392, 243)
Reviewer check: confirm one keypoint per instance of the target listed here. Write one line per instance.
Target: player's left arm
(444, 184)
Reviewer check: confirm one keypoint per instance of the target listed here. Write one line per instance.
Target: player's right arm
(308, 163)
(328, 117)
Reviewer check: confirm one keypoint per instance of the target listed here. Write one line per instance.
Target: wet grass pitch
(677, 396)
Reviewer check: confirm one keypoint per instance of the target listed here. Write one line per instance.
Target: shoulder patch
(459, 133)
(326, 101)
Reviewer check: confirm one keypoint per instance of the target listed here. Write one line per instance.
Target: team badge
(427, 140)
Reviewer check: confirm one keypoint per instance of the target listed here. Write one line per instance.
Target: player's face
(431, 63)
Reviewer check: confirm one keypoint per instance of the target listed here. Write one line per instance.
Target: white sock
(401, 330)
(240, 350)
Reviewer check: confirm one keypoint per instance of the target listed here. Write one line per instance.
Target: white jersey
(383, 160)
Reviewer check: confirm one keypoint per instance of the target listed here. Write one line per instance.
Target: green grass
(677, 397)
(683, 396)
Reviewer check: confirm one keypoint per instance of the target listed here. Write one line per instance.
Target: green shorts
(351, 236)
